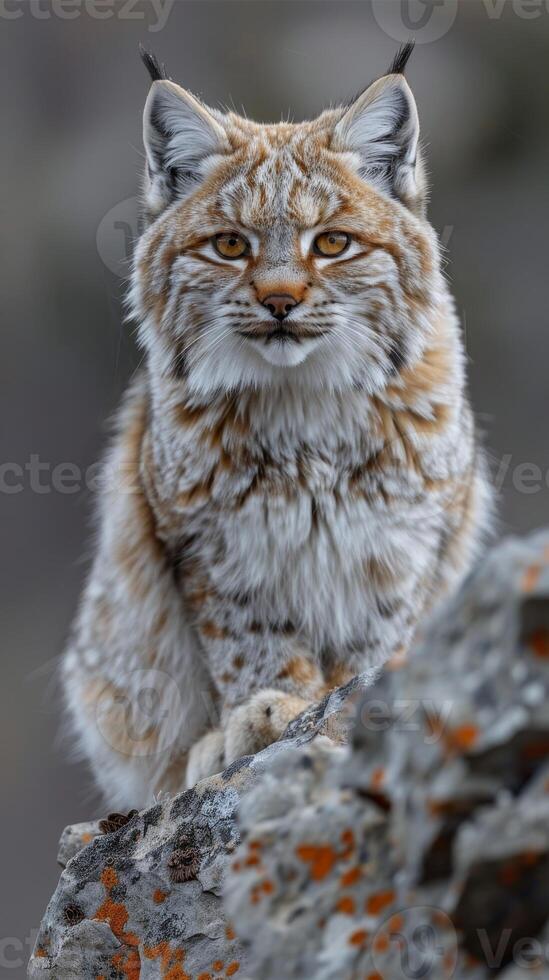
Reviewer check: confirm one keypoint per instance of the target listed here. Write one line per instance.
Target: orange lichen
(86, 838)
(204, 976)
(530, 578)
(217, 965)
(116, 915)
(374, 976)
(439, 918)
(376, 903)
(159, 896)
(265, 886)
(358, 938)
(350, 877)
(162, 950)
(321, 857)
(539, 642)
(464, 737)
(170, 960)
(109, 878)
(396, 923)
(252, 861)
(230, 933)
(348, 838)
(129, 964)
(448, 961)
(232, 968)
(176, 972)
(377, 778)
(381, 943)
(40, 952)
(346, 905)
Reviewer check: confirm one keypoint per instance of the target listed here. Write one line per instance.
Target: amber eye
(331, 243)
(230, 245)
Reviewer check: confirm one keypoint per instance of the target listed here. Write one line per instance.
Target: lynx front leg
(245, 730)
(137, 691)
(263, 675)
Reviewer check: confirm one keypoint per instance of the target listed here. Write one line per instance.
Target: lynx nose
(279, 304)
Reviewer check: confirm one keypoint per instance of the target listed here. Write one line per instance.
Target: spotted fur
(287, 503)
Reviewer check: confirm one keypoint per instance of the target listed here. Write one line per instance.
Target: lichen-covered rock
(443, 798)
(74, 838)
(420, 850)
(144, 901)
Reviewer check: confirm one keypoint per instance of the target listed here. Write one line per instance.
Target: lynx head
(287, 253)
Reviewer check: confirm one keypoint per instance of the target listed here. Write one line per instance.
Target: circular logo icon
(415, 943)
(419, 20)
(116, 235)
(142, 718)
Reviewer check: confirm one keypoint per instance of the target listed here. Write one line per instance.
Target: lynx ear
(382, 128)
(179, 134)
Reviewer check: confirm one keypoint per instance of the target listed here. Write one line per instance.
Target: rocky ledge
(410, 842)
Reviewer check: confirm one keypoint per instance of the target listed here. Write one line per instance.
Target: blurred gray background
(72, 95)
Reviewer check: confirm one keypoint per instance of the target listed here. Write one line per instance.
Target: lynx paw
(246, 729)
(261, 720)
(206, 757)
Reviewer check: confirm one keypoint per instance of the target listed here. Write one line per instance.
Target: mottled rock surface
(420, 850)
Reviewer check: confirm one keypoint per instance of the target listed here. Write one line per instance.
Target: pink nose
(279, 304)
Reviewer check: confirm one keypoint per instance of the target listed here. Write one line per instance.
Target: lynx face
(285, 252)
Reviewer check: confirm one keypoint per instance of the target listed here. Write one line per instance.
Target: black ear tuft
(155, 70)
(401, 58)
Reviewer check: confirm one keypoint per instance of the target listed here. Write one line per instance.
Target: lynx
(298, 477)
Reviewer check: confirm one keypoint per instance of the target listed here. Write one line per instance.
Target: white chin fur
(285, 353)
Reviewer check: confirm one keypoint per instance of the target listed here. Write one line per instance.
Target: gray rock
(74, 838)
(420, 849)
(145, 900)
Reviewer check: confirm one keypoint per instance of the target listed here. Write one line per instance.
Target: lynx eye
(331, 243)
(230, 245)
